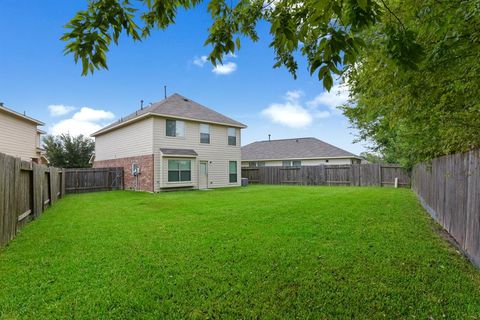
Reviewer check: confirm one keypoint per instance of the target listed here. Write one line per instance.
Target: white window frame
(178, 124)
(179, 171)
(229, 136)
(230, 174)
(205, 125)
(291, 163)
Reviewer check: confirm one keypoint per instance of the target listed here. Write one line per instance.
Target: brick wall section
(146, 177)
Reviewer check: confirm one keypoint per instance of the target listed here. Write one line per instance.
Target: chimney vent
(269, 135)
(141, 104)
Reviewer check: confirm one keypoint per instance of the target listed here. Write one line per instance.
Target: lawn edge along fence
(448, 188)
(26, 190)
(331, 175)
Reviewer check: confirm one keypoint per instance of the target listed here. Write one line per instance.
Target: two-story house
(174, 143)
(20, 136)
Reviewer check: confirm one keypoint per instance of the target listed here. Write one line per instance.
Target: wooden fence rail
(347, 175)
(449, 189)
(93, 179)
(26, 190)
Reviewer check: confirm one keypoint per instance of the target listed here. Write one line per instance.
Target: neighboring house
(20, 136)
(294, 153)
(175, 143)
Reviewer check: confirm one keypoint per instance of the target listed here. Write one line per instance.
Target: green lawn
(255, 252)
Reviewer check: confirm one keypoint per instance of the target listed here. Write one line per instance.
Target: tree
(373, 157)
(325, 32)
(413, 115)
(65, 151)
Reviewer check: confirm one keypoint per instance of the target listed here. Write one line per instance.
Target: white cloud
(200, 61)
(89, 114)
(294, 114)
(294, 95)
(337, 96)
(223, 69)
(75, 127)
(86, 121)
(57, 110)
(291, 113)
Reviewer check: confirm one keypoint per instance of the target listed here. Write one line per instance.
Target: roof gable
(20, 116)
(176, 106)
(299, 148)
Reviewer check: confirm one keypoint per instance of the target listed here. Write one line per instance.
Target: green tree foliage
(325, 32)
(373, 157)
(66, 151)
(415, 114)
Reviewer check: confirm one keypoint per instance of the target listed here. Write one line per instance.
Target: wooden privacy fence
(449, 189)
(26, 190)
(93, 179)
(347, 175)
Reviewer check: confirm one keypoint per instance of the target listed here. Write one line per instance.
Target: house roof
(178, 152)
(175, 106)
(20, 115)
(298, 148)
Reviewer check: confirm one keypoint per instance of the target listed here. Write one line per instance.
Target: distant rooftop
(297, 148)
(176, 106)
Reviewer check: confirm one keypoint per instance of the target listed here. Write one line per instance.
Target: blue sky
(36, 77)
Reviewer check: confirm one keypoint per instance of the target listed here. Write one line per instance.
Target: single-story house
(295, 152)
(21, 136)
(174, 143)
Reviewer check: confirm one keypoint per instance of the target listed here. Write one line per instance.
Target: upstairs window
(179, 170)
(232, 170)
(292, 163)
(232, 136)
(175, 128)
(204, 133)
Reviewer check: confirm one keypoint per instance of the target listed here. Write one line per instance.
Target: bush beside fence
(26, 190)
(449, 189)
(346, 175)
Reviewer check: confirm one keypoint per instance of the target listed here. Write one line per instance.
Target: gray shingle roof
(178, 152)
(299, 148)
(177, 106)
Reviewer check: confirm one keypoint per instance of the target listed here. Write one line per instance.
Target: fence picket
(449, 188)
(348, 175)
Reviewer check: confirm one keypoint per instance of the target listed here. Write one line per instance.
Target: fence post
(380, 174)
(62, 183)
(37, 180)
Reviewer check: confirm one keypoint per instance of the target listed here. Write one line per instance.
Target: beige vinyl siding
(133, 140)
(218, 153)
(18, 137)
(316, 162)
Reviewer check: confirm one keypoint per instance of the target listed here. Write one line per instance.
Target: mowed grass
(257, 252)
